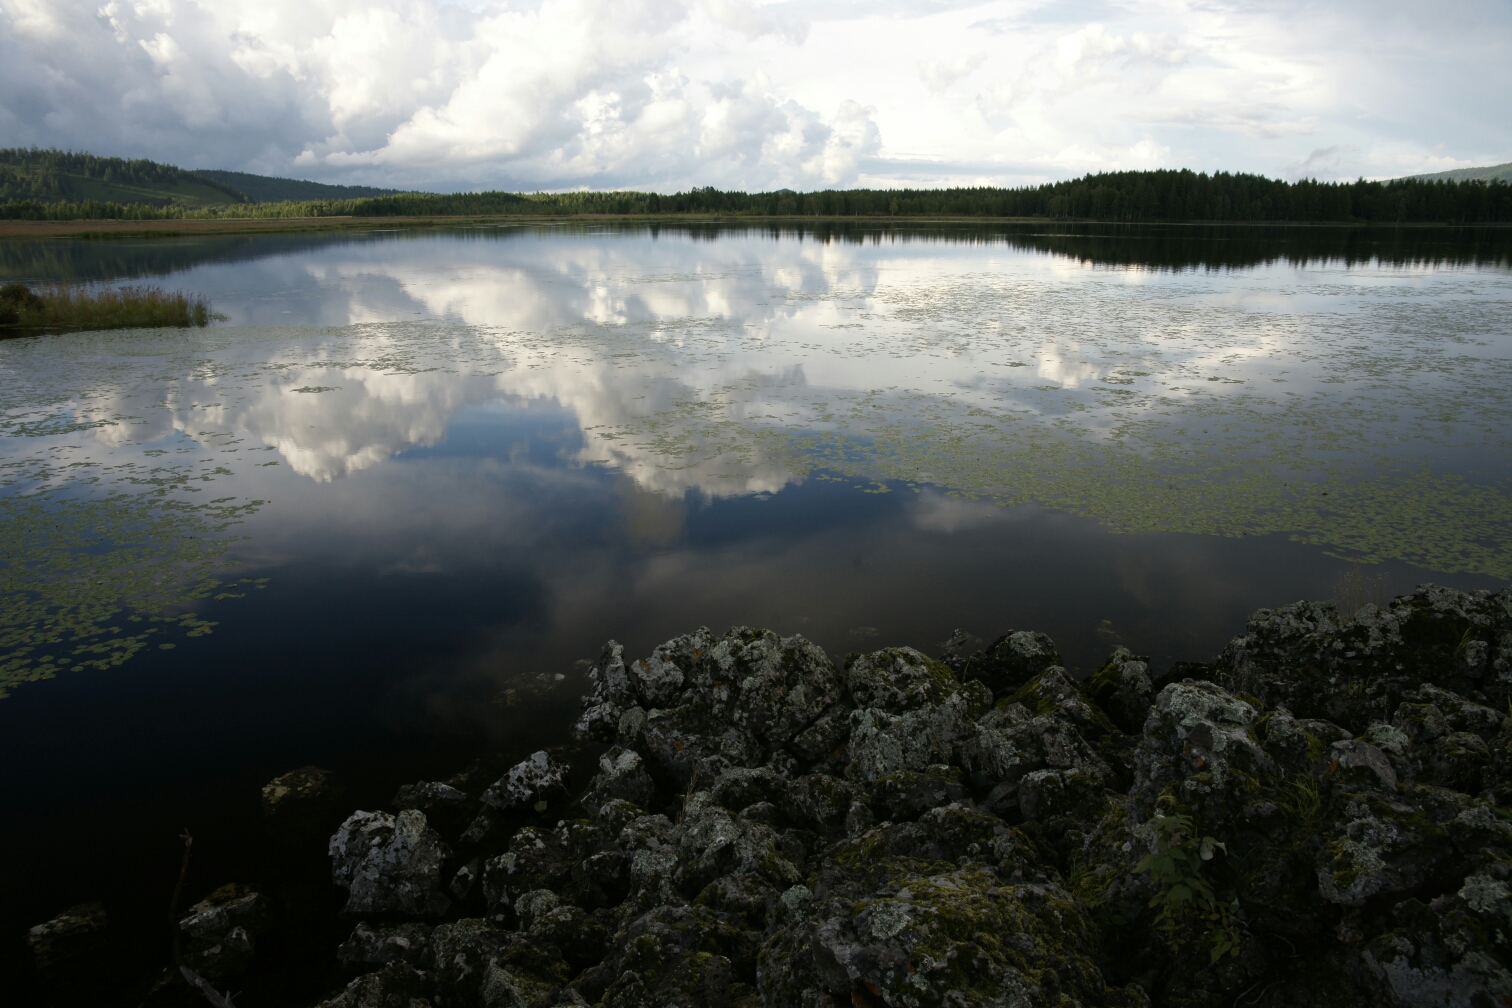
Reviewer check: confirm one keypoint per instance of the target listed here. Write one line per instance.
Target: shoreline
(1321, 814)
(99, 229)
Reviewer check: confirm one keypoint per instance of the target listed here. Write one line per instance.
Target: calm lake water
(374, 518)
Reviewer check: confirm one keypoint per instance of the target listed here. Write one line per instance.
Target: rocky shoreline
(1319, 816)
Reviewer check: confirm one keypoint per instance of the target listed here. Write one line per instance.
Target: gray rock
(68, 941)
(533, 783)
(884, 932)
(817, 802)
(1123, 688)
(228, 907)
(895, 680)
(622, 777)
(883, 743)
(390, 864)
(1347, 811)
(534, 904)
(712, 843)
(302, 806)
(375, 945)
(1355, 669)
(485, 825)
(220, 931)
(448, 809)
(466, 881)
(1011, 660)
(463, 952)
(907, 794)
(396, 985)
(1350, 754)
(740, 787)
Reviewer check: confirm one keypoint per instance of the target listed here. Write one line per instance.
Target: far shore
(18, 229)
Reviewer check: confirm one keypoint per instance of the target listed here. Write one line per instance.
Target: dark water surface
(373, 520)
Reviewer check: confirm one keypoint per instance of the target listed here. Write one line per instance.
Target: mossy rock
(921, 933)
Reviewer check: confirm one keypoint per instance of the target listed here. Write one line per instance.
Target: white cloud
(940, 76)
(665, 94)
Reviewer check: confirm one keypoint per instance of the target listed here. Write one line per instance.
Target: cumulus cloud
(664, 94)
(555, 94)
(938, 76)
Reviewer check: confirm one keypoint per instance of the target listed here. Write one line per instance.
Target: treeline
(268, 189)
(34, 174)
(1112, 196)
(37, 210)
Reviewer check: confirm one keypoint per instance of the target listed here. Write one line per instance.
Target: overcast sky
(663, 95)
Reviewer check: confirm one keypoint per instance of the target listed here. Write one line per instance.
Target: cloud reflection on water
(1229, 402)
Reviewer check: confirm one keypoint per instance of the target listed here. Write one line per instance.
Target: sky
(664, 95)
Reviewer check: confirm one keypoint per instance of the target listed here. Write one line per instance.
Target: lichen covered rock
(1316, 817)
(375, 945)
(219, 933)
(390, 864)
(533, 783)
(68, 941)
(302, 805)
(396, 985)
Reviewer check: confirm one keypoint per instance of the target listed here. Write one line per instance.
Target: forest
(1164, 195)
(35, 175)
(267, 189)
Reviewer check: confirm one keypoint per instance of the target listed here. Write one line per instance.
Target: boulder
(448, 809)
(534, 783)
(220, 931)
(390, 864)
(622, 777)
(376, 944)
(1354, 669)
(893, 930)
(396, 985)
(1316, 817)
(302, 806)
(1124, 690)
(895, 680)
(70, 941)
(1011, 660)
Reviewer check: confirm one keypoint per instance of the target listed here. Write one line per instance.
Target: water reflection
(1147, 246)
(455, 462)
(1347, 389)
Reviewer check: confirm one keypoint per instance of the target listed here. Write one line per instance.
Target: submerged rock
(302, 805)
(1317, 817)
(220, 931)
(68, 941)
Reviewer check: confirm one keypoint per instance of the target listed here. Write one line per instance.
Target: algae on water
(1363, 408)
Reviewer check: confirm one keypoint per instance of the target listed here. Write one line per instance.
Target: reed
(64, 307)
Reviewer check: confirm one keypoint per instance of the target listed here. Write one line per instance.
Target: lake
(376, 517)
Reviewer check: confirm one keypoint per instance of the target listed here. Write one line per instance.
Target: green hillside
(54, 176)
(1502, 172)
(267, 189)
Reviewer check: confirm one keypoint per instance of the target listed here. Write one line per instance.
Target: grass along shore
(63, 307)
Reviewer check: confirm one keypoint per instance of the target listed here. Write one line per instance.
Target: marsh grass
(63, 307)
(1302, 803)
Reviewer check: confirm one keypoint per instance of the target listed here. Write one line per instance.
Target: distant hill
(266, 189)
(1501, 171)
(55, 176)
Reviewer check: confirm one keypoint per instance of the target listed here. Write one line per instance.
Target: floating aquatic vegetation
(1367, 410)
